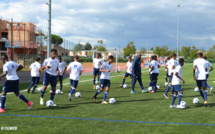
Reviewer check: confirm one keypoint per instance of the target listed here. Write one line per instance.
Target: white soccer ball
(125, 86)
(158, 87)
(78, 94)
(196, 89)
(112, 101)
(4, 105)
(195, 100)
(166, 84)
(183, 104)
(49, 103)
(96, 82)
(150, 88)
(57, 91)
(40, 89)
(97, 87)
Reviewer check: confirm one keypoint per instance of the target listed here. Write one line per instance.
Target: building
(147, 54)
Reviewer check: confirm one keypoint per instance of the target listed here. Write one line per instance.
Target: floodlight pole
(178, 29)
(49, 31)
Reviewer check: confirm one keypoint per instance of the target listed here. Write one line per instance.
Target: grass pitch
(130, 107)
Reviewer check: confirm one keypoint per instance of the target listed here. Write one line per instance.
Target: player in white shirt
(97, 62)
(199, 74)
(62, 69)
(177, 78)
(167, 68)
(208, 65)
(128, 72)
(154, 72)
(12, 82)
(35, 69)
(50, 76)
(75, 69)
(172, 65)
(105, 79)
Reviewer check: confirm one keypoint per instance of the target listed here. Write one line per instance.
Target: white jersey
(171, 63)
(200, 64)
(208, 65)
(61, 67)
(76, 68)
(155, 65)
(106, 66)
(97, 62)
(10, 68)
(129, 67)
(175, 79)
(54, 63)
(35, 69)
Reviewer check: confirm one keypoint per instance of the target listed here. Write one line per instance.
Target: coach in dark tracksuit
(136, 72)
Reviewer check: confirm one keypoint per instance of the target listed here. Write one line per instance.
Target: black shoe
(28, 91)
(33, 92)
(94, 97)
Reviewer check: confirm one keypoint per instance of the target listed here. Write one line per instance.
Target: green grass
(133, 107)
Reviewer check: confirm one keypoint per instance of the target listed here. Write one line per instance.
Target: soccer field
(132, 113)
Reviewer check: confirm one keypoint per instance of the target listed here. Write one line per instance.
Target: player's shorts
(176, 88)
(154, 76)
(11, 86)
(167, 74)
(35, 80)
(60, 77)
(201, 83)
(74, 83)
(96, 71)
(170, 78)
(207, 75)
(127, 74)
(49, 78)
(104, 83)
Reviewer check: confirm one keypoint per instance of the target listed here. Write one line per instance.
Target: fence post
(24, 45)
(116, 63)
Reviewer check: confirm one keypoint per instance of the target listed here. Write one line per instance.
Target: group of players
(55, 68)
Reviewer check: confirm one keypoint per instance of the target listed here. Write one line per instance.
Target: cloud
(147, 23)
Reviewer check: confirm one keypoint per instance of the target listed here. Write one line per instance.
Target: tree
(56, 40)
(170, 52)
(193, 52)
(210, 53)
(78, 47)
(129, 49)
(157, 50)
(164, 51)
(143, 50)
(88, 46)
(100, 48)
(185, 51)
(152, 49)
(100, 42)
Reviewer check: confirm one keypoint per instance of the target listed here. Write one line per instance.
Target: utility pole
(178, 28)
(11, 45)
(24, 45)
(49, 31)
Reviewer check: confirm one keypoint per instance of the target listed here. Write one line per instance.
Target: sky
(148, 23)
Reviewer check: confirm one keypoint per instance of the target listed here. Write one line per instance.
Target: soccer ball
(166, 84)
(183, 103)
(96, 82)
(97, 87)
(49, 103)
(4, 105)
(58, 91)
(78, 94)
(196, 89)
(150, 88)
(40, 89)
(195, 101)
(158, 87)
(112, 101)
(125, 86)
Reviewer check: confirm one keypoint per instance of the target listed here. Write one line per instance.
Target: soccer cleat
(206, 103)
(166, 96)
(121, 85)
(95, 100)
(33, 92)
(41, 101)
(2, 110)
(28, 91)
(172, 106)
(172, 94)
(54, 105)
(94, 87)
(30, 104)
(61, 92)
(211, 89)
(144, 90)
(104, 102)
(180, 107)
(151, 91)
(133, 92)
(70, 97)
(50, 91)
